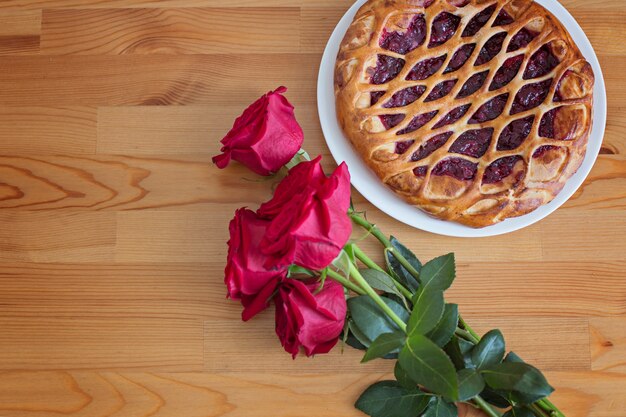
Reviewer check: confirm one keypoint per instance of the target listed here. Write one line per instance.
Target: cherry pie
(474, 111)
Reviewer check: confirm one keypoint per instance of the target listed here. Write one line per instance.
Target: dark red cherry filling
(542, 150)
(515, 133)
(473, 142)
(387, 68)
(491, 48)
(503, 18)
(500, 168)
(391, 120)
(375, 96)
(490, 110)
(418, 121)
(541, 63)
(506, 72)
(460, 57)
(402, 43)
(401, 147)
(472, 84)
(546, 126)
(426, 68)
(478, 21)
(521, 39)
(405, 96)
(458, 168)
(531, 96)
(452, 116)
(420, 171)
(440, 90)
(430, 146)
(444, 27)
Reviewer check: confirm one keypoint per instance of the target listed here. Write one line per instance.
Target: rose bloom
(309, 319)
(265, 137)
(309, 221)
(246, 277)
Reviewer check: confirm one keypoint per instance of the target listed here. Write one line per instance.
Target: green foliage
(384, 344)
(428, 365)
(428, 306)
(390, 399)
(400, 273)
(489, 351)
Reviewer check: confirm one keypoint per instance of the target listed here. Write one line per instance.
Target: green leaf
(494, 397)
(403, 276)
(403, 377)
(384, 344)
(380, 281)
(362, 341)
(428, 365)
(517, 397)
(458, 350)
(389, 399)
(519, 412)
(438, 407)
(489, 351)
(427, 311)
(444, 330)
(517, 377)
(470, 384)
(439, 273)
(370, 320)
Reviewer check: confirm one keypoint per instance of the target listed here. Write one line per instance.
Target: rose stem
(354, 272)
(345, 282)
(486, 407)
(373, 265)
(467, 330)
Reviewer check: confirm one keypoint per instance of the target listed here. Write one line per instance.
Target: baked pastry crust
(474, 157)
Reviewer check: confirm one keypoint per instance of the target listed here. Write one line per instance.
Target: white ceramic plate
(368, 184)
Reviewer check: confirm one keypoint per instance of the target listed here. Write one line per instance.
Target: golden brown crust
(534, 181)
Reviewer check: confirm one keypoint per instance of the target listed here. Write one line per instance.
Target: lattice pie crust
(474, 111)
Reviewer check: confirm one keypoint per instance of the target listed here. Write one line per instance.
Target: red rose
(247, 278)
(310, 224)
(308, 319)
(265, 137)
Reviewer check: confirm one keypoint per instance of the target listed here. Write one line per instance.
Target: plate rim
(373, 190)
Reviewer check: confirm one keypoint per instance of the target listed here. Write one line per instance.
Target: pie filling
(430, 146)
(500, 169)
(402, 43)
(515, 133)
(458, 168)
(473, 143)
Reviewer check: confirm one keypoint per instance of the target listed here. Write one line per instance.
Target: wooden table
(113, 224)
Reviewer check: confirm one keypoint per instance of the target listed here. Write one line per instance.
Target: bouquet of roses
(295, 252)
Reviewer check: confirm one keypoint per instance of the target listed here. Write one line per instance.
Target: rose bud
(265, 137)
(309, 221)
(246, 276)
(309, 319)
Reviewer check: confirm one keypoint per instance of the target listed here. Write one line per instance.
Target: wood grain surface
(113, 221)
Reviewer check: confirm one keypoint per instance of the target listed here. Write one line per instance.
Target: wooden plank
(317, 25)
(77, 343)
(19, 45)
(114, 291)
(89, 393)
(152, 80)
(47, 130)
(170, 31)
(602, 27)
(603, 228)
(103, 4)
(39, 236)
(116, 183)
(172, 237)
(20, 22)
(608, 344)
(158, 130)
(531, 289)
